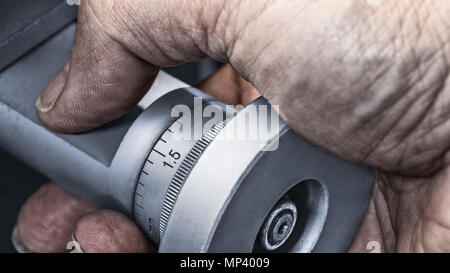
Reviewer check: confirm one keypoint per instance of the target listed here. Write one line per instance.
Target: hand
(366, 82)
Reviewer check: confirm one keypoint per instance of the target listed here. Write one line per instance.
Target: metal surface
(278, 225)
(182, 173)
(233, 196)
(166, 157)
(217, 192)
(26, 23)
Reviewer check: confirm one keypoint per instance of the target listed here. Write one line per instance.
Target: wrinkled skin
(368, 83)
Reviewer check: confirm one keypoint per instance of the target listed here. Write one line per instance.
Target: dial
(165, 169)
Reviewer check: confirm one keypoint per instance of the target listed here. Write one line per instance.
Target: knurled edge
(182, 173)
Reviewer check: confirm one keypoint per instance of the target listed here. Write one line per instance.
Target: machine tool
(205, 179)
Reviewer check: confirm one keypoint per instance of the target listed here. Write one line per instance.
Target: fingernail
(17, 242)
(52, 92)
(74, 246)
(44, 107)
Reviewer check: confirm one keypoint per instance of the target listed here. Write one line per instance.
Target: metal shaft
(87, 164)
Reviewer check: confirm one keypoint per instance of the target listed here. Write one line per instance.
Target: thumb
(107, 231)
(117, 49)
(101, 82)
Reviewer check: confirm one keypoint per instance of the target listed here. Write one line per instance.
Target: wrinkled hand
(366, 82)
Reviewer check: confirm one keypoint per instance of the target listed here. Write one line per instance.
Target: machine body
(207, 194)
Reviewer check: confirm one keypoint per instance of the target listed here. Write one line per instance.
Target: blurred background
(24, 25)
